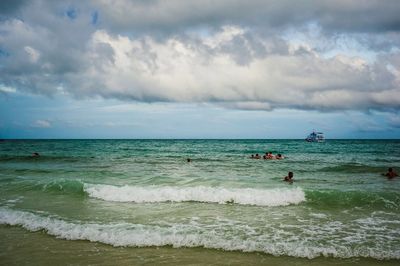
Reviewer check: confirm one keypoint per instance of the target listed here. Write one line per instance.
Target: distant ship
(315, 137)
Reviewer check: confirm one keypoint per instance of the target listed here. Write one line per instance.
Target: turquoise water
(143, 193)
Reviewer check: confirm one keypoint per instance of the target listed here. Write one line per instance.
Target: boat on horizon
(315, 137)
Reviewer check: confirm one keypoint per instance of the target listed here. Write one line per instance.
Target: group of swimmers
(270, 156)
(289, 178)
(267, 156)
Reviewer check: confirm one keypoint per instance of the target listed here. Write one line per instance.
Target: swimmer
(189, 160)
(257, 156)
(252, 156)
(270, 155)
(279, 156)
(35, 154)
(289, 177)
(390, 174)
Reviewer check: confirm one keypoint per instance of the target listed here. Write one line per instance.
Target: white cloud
(184, 71)
(32, 53)
(41, 124)
(6, 89)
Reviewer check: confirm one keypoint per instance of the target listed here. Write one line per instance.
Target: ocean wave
(188, 235)
(245, 196)
(62, 185)
(353, 168)
(355, 198)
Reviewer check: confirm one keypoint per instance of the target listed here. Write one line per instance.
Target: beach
(142, 202)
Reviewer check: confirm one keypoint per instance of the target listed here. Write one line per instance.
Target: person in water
(252, 156)
(390, 174)
(189, 160)
(279, 156)
(270, 155)
(257, 156)
(35, 154)
(289, 177)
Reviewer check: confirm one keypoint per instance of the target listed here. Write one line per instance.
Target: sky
(199, 69)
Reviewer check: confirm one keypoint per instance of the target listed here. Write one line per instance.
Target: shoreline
(19, 246)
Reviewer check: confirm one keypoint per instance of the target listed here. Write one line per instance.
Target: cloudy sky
(199, 69)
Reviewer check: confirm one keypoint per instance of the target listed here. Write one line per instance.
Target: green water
(140, 200)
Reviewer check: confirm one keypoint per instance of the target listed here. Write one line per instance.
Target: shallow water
(142, 193)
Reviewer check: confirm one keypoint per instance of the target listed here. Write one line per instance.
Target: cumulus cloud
(42, 124)
(178, 70)
(6, 90)
(237, 54)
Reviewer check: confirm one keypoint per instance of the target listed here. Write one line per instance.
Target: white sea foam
(245, 196)
(319, 215)
(187, 235)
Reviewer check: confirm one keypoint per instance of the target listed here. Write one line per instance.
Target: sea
(140, 202)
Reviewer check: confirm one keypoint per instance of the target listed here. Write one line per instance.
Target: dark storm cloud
(334, 16)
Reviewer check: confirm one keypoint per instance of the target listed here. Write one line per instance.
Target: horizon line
(10, 139)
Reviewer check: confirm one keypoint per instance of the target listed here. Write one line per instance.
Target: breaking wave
(187, 235)
(245, 196)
